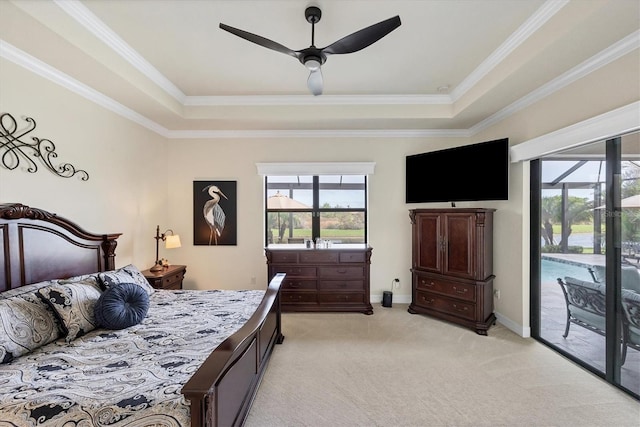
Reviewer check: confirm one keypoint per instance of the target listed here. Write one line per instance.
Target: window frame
(316, 210)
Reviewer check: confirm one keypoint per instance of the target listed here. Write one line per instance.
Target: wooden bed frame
(36, 245)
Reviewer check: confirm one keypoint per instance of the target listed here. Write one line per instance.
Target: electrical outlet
(496, 293)
(253, 280)
(396, 283)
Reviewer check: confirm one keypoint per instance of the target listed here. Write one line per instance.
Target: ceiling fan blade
(314, 82)
(259, 40)
(363, 38)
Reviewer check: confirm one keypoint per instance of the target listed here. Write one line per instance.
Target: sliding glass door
(586, 257)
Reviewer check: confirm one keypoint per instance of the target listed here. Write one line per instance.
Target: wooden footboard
(222, 389)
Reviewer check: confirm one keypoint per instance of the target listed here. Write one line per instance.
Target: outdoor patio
(584, 344)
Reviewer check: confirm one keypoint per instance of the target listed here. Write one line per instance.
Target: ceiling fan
(313, 57)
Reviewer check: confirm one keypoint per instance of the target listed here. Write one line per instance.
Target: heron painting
(214, 213)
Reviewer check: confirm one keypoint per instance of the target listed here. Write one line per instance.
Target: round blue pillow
(121, 306)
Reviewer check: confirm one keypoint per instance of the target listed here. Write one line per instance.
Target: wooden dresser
(334, 279)
(452, 265)
(167, 278)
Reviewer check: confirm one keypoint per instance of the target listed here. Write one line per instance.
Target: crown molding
(297, 100)
(529, 27)
(309, 134)
(99, 29)
(604, 57)
(95, 26)
(613, 52)
(23, 59)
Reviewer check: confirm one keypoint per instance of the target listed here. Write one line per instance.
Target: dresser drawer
(341, 298)
(352, 257)
(323, 280)
(293, 297)
(445, 305)
(341, 285)
(284, 257)
(294, 284)
(318, 257)
(341, 272)
(454, 289)
(293, 271)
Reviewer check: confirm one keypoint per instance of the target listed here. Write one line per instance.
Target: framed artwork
(215, 213)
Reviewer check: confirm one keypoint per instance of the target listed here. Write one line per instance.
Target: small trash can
(387, 298)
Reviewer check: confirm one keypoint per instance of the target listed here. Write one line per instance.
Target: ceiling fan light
(312, 64)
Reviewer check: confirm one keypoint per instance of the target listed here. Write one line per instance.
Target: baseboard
(524, 332)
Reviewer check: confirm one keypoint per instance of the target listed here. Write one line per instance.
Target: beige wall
(139, 180)
(127, 188)
(235, 159)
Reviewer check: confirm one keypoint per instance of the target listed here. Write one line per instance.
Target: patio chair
(631, 329)
(630, 276)
(631, 253)
(586, 302)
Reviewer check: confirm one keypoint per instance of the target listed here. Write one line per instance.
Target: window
(332, 207)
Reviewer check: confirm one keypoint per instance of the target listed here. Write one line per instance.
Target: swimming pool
(551, 270)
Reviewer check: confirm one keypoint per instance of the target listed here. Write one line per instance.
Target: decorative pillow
(127, 274)
(121, 306)
(73, 305)
(26, 323)
(26, 289)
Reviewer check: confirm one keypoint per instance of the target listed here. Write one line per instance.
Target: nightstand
(167, 278)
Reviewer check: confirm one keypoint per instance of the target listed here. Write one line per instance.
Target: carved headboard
(36, 245)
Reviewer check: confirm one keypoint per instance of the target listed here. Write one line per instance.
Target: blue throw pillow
(121, 306)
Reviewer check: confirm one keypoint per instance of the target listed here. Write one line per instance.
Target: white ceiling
(167, 65)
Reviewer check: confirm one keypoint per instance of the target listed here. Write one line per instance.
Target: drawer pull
(342, 285)
(460, 291)
(428, 301)
(294, 285)
(460, 309)
(342, 270)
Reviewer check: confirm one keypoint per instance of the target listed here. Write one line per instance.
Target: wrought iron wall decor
(15, 150)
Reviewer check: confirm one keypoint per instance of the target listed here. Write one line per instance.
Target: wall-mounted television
(473, 172)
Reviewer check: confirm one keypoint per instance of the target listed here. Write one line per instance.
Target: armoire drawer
(445, 305)
(454, 289)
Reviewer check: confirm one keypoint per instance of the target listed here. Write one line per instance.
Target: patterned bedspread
(130, 377)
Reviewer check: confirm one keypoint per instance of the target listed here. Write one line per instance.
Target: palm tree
(577, 209)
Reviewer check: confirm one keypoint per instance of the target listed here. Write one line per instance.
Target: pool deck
(586, 260)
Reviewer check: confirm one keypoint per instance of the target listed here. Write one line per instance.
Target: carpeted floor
(398, 369)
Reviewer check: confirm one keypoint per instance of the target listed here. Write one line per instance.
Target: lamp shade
(172, 242)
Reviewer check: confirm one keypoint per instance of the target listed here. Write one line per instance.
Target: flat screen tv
(473, 172)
